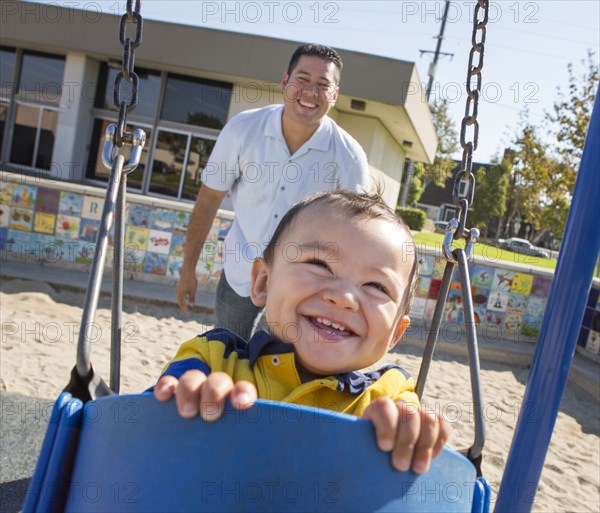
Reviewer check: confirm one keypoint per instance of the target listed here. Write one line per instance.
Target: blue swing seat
(132, 453)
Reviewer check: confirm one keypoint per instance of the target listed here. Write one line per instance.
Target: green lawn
(491, 253)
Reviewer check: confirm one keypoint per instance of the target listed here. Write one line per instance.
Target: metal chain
(480, 19)
(134, 17)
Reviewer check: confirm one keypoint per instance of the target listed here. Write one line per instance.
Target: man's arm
(201, 220)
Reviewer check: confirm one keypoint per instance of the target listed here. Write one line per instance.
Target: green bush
(414, 217)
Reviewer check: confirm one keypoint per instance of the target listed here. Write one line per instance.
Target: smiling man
(269, 159)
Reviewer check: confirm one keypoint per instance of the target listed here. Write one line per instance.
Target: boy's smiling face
(336, 289)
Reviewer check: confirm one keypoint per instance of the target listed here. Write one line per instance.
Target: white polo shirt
(252, 161)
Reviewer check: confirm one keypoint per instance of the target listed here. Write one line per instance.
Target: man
(269, 159)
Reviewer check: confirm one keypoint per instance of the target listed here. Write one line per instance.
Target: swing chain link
(473, 87)
(132, 16)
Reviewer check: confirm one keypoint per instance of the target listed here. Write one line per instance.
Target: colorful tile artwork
(426, 263)
(21, 219)
(522, 283)
(136, 238)
(159, 242)
(422, 289)
(502, 280)
(540, 286)
(177, 242)
(47, 201)
(180, 222)
(67, 227)
(139, 215)
(70, 203)
(593, 342)
(44, 223)
(174, 265)
(480, 296)
(24, 196)
(418, 308)
(162, 219)
(85, 252)
(155, 264)
(208, 273)
(92, 208)
(6, 192)
(438, 269)
(89, 229)
(498, 301)
(3, 237)
(434, 288)
(482, 276)
(4, 215)
(133, 259)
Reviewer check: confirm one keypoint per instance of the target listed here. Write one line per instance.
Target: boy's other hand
(413, 436)
(196, 393)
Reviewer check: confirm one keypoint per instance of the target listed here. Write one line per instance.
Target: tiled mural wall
(60, 226)
(59, 222)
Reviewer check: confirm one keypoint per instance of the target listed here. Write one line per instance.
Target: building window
(192, 110)
(37, 103)
(179, 159)
(33, 136)
(8, 61)
(148, 90)
(41, 78)
(194, 101)
(96, 168)
(200, 150)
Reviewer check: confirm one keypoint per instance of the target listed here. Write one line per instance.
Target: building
(58, 71)
(438, 202)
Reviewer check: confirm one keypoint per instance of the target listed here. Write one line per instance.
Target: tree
(490, 195)
(572, 111)
(416, 188)
(529, 177)
(448, 145)
(570, 119)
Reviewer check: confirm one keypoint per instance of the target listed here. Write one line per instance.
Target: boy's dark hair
(354, 205)
(324, 52)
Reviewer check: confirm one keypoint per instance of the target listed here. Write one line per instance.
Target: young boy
(336, 281)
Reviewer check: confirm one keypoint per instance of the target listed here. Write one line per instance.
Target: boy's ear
(403, 323)
(259, 279)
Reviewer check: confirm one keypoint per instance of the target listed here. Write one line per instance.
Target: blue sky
(528, 44)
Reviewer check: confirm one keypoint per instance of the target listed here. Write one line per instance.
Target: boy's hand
(198, 393)
(413, 436)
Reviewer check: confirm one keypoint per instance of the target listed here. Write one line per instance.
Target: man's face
(336, 289)
(311, 90)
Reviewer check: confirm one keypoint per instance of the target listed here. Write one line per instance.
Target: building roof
(391, 88)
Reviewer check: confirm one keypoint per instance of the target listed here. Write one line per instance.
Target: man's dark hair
(355, 206)
(324, 52)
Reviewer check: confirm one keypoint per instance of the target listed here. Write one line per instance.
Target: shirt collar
(262, 344)
(354, 382)
(320, 140)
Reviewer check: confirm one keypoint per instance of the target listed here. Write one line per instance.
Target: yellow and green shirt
(270, 365)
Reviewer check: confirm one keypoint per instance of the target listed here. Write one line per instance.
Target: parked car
(523, 246)
(440, 226)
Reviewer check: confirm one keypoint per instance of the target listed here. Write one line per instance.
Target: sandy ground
(40, 326)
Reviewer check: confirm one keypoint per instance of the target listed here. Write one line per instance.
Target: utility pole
(411, 165)
(437, 52)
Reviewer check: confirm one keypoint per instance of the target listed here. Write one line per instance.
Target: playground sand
(40, 326)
